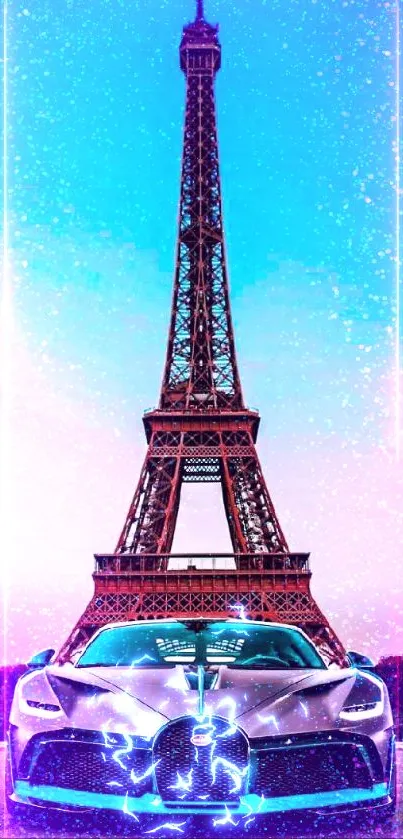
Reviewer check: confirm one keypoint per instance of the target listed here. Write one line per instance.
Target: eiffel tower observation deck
(202, 430)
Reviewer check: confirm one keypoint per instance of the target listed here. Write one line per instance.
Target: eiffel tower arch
(202, 430)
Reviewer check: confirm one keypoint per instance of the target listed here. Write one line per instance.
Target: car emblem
(201, 739)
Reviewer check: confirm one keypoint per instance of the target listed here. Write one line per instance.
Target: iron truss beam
(201, 430)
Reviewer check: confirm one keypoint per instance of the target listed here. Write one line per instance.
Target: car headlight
(35, 707)
(363, 711)
(366, 699)
(45, 706)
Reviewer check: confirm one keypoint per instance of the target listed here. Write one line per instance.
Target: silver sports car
(234, 719)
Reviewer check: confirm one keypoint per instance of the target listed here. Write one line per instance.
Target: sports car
(233, 719)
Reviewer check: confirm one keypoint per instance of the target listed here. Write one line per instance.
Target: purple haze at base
(310, 258)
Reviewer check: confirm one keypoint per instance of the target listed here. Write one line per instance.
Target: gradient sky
(306, 127)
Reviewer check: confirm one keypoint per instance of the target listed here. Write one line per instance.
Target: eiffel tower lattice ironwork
(201, 430)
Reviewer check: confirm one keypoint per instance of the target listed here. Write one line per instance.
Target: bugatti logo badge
(201, 739)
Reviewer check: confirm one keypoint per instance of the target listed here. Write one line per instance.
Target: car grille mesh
(184, 773)
(310, 769)
(217, 771)
(91, 768)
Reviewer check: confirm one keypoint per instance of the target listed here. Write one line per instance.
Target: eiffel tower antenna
(200, 10)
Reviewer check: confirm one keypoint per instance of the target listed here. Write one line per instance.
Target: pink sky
(71, 475)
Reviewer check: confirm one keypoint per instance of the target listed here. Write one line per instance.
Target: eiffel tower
(202, 431)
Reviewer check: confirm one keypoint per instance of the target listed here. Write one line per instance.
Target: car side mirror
(361, 662)
(40, 659)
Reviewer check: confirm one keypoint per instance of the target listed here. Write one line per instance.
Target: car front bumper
(249, 805)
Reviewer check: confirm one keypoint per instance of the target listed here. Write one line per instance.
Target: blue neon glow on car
(150, 803)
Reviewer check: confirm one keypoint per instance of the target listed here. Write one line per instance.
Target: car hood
(168, 691)
(139, 701)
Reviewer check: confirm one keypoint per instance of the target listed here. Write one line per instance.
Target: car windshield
(195, 642)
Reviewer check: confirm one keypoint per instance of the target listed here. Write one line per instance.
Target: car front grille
(223, 767)
(306, 769)
(91, 767)
(188, 769)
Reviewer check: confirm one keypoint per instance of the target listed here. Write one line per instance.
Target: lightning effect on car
(232, 720)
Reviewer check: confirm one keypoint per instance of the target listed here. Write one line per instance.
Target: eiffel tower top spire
(199, 31)
(199, 11)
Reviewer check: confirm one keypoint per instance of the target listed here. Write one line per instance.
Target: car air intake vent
(92, 768)
(308, 769)
(192, 678)
(317, 690)
(201, 761)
